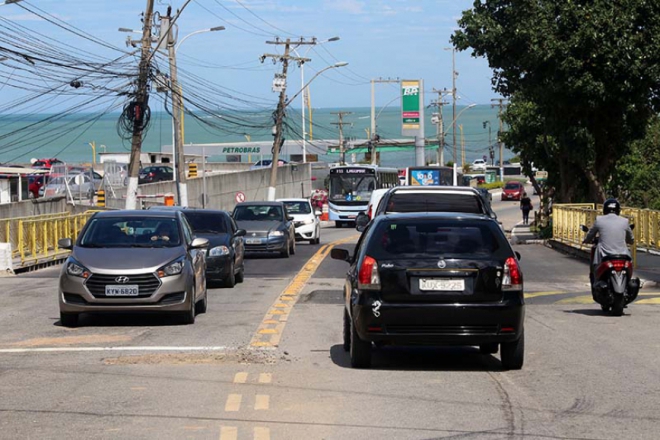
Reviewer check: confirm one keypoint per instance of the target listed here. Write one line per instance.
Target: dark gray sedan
(268, 226)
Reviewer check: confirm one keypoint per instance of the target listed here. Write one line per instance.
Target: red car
(513, 191)
(46, 163)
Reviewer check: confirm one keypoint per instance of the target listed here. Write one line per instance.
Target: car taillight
(369, 211)
(368, 277)
(512, 279)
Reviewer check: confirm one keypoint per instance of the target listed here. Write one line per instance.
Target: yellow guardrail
(34, 239)
(567, 218)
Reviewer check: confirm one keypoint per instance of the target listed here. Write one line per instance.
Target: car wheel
(360, 350)
(188, 317)
(488, 348)
(293, 247)
(202, 304)
(69, 319)
(285, 252)
(230, 281)
(512, 354)
(347, 332)
(240, 276)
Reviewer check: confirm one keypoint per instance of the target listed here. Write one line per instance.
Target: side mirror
(361, 221)
(240, 233)
(584, 228)
(340, 254)
(65, 243)
(318, 213)
(518, 255)
(199, 243)
(290, 218)
(632, 226)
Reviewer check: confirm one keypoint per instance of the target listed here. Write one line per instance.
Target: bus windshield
(351, 188)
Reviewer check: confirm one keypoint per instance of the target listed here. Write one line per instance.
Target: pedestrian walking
(526, 206)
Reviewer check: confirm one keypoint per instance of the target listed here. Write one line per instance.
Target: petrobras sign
(242, 150)
(412, 108)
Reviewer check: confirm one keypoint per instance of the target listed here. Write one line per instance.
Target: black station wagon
(434, 279)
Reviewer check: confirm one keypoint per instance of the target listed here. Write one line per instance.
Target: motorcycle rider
(614, 233)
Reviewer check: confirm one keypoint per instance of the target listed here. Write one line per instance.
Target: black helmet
(611, 205)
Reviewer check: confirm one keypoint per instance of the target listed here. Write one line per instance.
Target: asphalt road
(266, 362)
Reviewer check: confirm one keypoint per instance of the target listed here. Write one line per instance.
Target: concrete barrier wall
(28, 208)
(221, 189)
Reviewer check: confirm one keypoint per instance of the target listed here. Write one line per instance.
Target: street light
(278, 127)
(180, 93)
(302, 97)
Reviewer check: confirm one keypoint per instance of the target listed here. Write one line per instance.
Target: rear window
(434, 202)
(432, 238)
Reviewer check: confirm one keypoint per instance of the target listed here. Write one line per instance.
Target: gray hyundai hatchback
(134, 261)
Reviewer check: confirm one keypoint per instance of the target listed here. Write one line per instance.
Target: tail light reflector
(512, 279)
(368, 277)
(369, 211)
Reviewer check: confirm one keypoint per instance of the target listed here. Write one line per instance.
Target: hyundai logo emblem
(122, 280)
(254, 234)
(442, 264)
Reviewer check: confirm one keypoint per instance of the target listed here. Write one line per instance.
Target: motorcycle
(612, 284)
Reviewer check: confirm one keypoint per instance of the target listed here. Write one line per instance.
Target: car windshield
(352, 187)
(152, 232)
(512, 185)
(426, 238)
(258, 213)
(298, 207)
(206, 222)
(434, 202)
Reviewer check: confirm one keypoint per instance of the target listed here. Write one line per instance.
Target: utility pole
(139, 107)
(175, 88)
(491, 153)
(341, 123)
(501, 104)
(454, 74)
(278, 140)
(439, 124)
(372, 135)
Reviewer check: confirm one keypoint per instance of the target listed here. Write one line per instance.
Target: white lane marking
(83, 349)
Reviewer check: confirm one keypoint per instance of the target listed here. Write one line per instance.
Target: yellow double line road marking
(270, 330)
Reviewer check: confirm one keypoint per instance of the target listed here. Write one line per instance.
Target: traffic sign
(240, 197)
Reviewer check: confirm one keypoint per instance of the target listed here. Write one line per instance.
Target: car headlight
(309, 221)
(74, 268)
(173, 268)
(276, 234)
(219, 251)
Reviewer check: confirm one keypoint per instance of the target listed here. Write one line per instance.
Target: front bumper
(172, 295)
(267, 244)
(218, 267)
(306, 232)
(506, 196)
(441, 324)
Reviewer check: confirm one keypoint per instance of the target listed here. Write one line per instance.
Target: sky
(378, 38)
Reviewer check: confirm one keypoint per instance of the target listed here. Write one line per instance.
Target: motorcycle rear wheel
(617, 306)
(605, 308)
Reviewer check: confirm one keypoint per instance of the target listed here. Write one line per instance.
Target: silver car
(143, 261)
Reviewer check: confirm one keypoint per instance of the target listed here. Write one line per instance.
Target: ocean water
(26, 137)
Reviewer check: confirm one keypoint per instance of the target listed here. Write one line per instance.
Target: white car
(479, 164)
(376, 195)
(305, 219)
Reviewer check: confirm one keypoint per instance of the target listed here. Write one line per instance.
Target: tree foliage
(583, 77)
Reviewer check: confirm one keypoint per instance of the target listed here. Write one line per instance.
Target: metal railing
(34, 239)
(567, 218)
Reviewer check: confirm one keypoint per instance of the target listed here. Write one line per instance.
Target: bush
(491, 185)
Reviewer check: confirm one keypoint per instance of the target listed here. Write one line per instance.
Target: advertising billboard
(412, 108)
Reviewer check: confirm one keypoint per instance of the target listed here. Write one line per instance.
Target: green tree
(590, 69)
(636, 181)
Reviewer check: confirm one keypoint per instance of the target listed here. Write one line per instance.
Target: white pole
(304, 133)
(204, 177)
